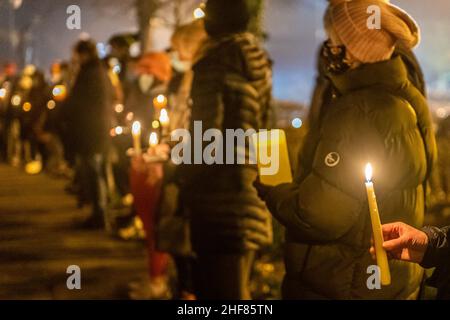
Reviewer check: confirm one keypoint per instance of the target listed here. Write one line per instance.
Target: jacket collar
(391, 73)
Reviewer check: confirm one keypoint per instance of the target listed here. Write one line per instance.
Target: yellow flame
(130, 116)
(51, 105)
(136, 128)
(164, 117)
(119, 108)
(160, 101)
(26, 106)
(199, 13)
(369, 172)
(153, 140)
(118, 130)
(59, 91)
(16, 100)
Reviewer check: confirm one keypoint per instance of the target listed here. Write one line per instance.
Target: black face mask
(334, 58)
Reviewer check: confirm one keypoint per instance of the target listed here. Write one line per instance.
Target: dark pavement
(40, 237)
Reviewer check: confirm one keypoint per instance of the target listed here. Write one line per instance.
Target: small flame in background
(153, 140)
(136, 128)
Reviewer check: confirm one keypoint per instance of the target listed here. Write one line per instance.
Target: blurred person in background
(120, 50)
(374, 114)
(28, 101)
(50, 128)
(231, 89)
(88, 112)
(8, 81)
(154, 74)
(173, 217)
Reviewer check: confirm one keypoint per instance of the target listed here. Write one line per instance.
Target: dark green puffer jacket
(231, 90)
(377, 116)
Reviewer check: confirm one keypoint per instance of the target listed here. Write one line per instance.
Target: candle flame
(118, 130)
(369, 172)
(119, 108)
(51, 104)
(199, 13)
(136, 128)
(153, 141)
(164, 117)
(160, 101)
(16, 100)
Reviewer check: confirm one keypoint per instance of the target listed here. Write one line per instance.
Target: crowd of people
(77, 125)
(369, 105)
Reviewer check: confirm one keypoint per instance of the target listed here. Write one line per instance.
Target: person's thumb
(394, 244)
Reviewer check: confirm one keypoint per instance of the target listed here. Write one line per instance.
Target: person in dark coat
(231, 89)
(430, 247)
(8, 81)
(88, 111)
(374, 114)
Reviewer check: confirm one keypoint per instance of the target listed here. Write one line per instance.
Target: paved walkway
(40, 237)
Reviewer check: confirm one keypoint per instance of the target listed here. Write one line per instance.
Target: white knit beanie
(347, 20)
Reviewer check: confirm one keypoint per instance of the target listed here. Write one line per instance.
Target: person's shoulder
(236, 52)
(373, 109)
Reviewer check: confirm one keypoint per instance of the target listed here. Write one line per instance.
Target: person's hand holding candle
(403, 242)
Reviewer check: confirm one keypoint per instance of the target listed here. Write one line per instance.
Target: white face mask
(145, 82)
(178, 64)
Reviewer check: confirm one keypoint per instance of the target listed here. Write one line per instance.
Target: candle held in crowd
(382, 259)
(153, 140)
(164, 118)
(136, 132)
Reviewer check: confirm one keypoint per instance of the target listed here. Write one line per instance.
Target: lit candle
(59, 92)
(382, 259)
(153, 140)
(136, 132)
(199, 13)
(160, 101)
(275, 141)
(164, 118)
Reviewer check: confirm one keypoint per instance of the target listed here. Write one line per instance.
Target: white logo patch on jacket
(332, 159)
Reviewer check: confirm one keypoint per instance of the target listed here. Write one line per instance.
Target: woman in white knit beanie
(347, 22)
(369, 110)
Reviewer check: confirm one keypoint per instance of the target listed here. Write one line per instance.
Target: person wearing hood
(375, 115)
(231, 89)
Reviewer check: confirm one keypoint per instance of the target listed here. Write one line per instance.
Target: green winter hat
(226, 16)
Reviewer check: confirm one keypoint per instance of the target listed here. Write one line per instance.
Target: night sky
(294, 28)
